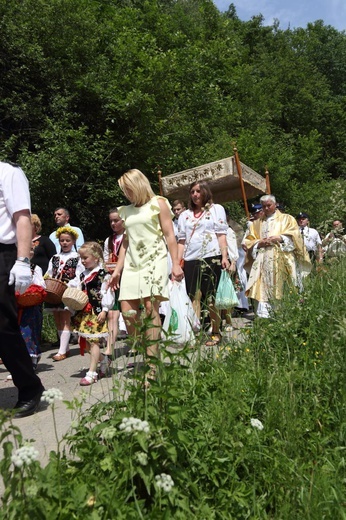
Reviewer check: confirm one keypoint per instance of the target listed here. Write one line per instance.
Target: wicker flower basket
(75, 299)
(55, 289)
(34, 295)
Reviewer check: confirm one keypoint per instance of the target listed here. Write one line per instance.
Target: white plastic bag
(181, 320)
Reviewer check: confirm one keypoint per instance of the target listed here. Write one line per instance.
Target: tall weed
(256, 432)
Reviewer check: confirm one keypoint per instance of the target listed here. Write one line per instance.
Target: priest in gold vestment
(276, 256)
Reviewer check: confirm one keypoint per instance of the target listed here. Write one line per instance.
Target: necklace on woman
(197, 214)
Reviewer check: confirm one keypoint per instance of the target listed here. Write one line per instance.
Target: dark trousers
(312, 255)
(13, 351)
(203, 275)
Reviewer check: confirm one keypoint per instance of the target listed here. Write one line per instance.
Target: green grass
(289, 373)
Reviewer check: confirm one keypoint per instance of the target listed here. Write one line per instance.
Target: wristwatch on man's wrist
(24, 259)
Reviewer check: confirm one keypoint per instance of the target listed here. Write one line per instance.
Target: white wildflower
(131, 424)
(256, 423)
(129, 313)
(164, 482)
(24, 455)
(52, 395)
(108, 433)
(142, 458)
(31, 490)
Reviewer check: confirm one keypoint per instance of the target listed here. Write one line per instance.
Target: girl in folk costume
(31, 318)
(113, 242)
(64, 266)
(110, 255)
(92, 321)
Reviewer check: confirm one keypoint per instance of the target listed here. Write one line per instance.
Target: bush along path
(254, 429)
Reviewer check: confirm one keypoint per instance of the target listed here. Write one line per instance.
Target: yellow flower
(91, 501)
(66, 229)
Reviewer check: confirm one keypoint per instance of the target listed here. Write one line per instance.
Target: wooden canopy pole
(268, 191)
(159, 173)
(242, 187)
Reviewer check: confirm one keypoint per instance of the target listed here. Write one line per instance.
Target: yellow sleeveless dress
(145, 271)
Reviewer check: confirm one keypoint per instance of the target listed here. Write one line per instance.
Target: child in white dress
(64, 266)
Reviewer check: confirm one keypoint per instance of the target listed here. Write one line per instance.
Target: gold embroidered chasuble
(277, 266)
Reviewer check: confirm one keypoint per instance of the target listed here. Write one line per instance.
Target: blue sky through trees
(290, 13)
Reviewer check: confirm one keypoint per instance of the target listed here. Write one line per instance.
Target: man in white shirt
(15, 275)
(62, 217)
(311, 237)
(178, 207)
(334, 243)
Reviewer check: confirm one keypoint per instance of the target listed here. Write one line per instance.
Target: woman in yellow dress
(142, 263)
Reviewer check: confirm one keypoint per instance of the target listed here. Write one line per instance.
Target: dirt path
(66, 375)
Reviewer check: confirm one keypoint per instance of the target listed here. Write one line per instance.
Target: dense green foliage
(288, 373)
(90, 88)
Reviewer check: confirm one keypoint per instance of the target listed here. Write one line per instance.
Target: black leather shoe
(26, 408)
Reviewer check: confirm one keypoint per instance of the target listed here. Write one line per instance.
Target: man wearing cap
(276, 257)
(256, 212)
(311, 237)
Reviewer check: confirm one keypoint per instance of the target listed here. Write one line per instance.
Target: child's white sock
(91, 376)
(64, 341)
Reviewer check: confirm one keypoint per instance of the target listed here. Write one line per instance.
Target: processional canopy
(222, 177)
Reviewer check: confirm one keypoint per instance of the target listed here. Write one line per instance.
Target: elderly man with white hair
(276, 257)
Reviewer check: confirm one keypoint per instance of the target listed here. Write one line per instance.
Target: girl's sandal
(215, 339)
(89, 379)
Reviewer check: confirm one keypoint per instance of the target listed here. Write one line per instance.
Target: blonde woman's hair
(35, 220)
(93, 248)
(136, 187)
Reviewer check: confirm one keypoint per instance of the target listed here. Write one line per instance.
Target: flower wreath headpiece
(66, 229)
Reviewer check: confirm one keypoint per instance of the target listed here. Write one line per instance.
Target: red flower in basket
(88, 308)
(34, 295)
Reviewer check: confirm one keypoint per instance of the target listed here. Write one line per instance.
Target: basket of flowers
(75, 299)
(55, 289)
(34, 295)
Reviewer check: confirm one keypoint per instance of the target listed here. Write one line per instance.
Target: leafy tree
(91, 88)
